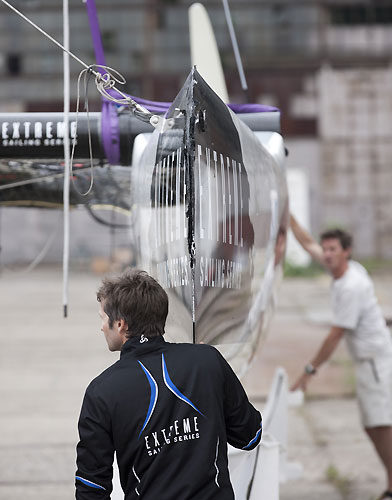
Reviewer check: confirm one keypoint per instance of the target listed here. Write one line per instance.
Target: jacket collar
(140, 343)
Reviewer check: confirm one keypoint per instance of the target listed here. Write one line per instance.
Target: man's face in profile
(114, 334)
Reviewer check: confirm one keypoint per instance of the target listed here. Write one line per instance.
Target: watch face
(310, 369)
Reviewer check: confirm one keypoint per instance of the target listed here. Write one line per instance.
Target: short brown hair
(345, 238)
(138, 299)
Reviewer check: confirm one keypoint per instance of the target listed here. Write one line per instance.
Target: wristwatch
(310, 369)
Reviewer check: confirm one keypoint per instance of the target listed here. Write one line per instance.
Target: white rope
(67, 169)
(104, 82)
(85, 72)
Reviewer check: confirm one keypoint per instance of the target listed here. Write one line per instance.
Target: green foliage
(341, 483)
(294, 271)
(375, 266)
(372, 265)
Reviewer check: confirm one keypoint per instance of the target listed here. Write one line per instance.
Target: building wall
(37, 233)
(355, 125)
(325, 64)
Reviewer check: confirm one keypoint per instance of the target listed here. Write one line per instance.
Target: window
(361, 14)
(13, 64)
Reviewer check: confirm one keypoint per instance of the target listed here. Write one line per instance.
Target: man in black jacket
(167, 410)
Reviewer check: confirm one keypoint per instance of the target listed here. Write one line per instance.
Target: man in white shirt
(356, 316)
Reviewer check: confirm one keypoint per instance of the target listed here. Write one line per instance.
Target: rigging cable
(106, 81)
(234, 43)
(100, 220)
(36, 180)
(66, 157)
(41, 254)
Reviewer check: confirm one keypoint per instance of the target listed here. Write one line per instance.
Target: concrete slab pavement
(46, 362)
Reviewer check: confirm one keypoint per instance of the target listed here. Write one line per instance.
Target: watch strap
(310, 369)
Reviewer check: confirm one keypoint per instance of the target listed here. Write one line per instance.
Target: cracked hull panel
(211, 211)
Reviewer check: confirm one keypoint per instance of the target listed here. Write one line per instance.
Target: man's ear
(122, 326)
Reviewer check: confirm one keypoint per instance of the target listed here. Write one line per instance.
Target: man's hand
(327, 348)
(301, 383)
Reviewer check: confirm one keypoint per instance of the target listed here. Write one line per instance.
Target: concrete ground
(46, 362)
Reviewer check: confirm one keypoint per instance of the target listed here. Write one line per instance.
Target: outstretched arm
(306, 240)
(324, 353)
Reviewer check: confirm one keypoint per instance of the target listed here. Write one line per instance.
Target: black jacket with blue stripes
(168, 411)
